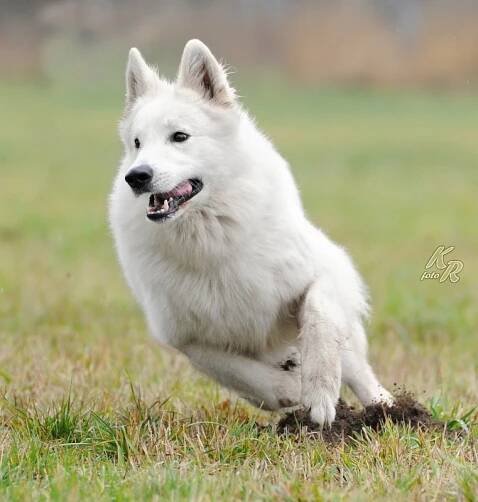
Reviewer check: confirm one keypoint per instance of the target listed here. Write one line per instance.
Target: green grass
(91, 408)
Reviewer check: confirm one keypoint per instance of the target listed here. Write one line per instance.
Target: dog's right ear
(140, 78)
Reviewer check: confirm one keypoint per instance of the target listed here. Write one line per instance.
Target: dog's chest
(240, 302)
(238, 306)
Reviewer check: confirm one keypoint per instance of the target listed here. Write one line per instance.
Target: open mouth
(166, 204)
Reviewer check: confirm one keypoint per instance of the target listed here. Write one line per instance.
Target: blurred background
(373, 102)
(353, 42)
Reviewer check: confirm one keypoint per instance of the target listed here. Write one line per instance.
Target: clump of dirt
(349, 422)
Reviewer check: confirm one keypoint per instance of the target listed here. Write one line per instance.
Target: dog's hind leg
(357, 372)
(264, 385)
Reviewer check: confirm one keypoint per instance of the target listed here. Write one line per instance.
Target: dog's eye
(137, 143)
(179, 137)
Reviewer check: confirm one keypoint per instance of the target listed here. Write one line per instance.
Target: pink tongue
(183, 188)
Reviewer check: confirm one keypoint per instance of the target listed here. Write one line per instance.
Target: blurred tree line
(365, 42)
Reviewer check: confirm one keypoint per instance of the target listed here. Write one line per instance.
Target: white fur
(239, 281)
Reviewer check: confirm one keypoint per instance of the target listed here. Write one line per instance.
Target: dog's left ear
(199, 70)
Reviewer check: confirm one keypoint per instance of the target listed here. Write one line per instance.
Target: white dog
(214, 243)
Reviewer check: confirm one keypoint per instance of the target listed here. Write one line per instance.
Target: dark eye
(137, 143)
(179, 137)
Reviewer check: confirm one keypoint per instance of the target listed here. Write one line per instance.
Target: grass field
(92, 409)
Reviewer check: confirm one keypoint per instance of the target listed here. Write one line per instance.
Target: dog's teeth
(170, 199)
(165, 205)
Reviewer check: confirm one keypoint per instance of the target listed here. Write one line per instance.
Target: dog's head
(178, 137)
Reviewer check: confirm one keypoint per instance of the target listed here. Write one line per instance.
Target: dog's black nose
(138, 178)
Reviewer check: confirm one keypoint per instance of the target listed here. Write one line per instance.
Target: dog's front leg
(266, 386)
(321, 323)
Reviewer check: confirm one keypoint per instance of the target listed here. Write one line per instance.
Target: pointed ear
(140, 78)
(200, 71)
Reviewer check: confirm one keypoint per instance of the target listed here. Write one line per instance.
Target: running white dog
(214, 243)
